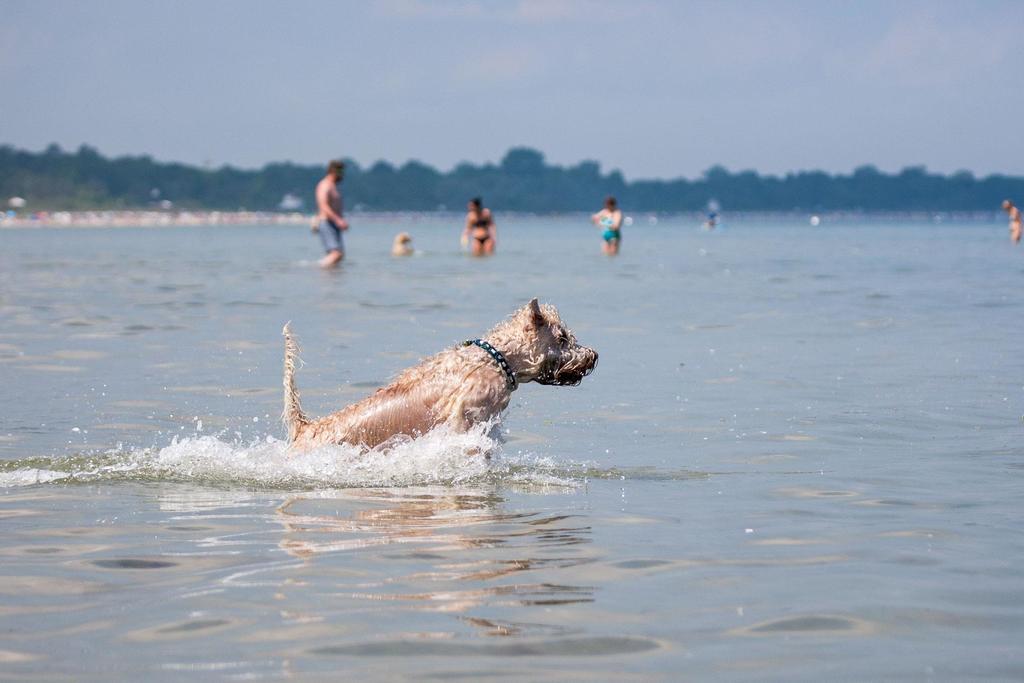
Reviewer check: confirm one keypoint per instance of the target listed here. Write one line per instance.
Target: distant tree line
(522, 181)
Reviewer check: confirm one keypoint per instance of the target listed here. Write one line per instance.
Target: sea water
(799, 457)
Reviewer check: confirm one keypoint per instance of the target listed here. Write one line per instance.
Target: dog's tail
(292, 416)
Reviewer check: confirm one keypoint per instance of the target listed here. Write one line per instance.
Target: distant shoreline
(640, 219)
(523, 180)
(149, 218)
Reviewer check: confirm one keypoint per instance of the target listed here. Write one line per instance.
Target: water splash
(440, 457)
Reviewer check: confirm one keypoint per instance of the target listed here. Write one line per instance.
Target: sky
(654, 89)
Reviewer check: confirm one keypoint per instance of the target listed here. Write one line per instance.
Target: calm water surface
(799, 458)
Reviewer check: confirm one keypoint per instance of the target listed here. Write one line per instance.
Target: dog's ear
(534, 314)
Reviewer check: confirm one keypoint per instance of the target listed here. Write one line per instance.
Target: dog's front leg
(459, 417)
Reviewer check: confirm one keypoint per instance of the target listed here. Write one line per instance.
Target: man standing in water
(1015, 221)
(330, 223)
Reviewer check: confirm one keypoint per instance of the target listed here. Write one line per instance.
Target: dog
(402, 246)
(458, 387)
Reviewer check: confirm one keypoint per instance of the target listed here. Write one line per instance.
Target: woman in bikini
(480, 230)
(610, 219)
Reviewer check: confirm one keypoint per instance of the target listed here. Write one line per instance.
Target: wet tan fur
(459, 387)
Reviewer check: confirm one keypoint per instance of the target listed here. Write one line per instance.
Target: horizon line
(365, 166)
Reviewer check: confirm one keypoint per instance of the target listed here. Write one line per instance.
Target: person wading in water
(481, 233)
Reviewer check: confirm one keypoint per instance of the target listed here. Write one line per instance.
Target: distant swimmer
(330, 223)
(610, 220)
(1015, 220)
(712, 222)
(402, 246)
(480, 232)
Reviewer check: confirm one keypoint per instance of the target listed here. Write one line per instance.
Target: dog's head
(542, 348)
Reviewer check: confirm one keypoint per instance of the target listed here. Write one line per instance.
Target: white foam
(27, 476)
(441, 456)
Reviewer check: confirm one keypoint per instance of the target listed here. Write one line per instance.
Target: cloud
(536, 12)
(422, 9)
(543, 11)
(499, 66)
(924, 49)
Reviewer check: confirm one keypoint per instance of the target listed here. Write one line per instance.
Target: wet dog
(402, 245)
(458, 387)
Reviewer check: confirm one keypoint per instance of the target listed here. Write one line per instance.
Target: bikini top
(482, 221)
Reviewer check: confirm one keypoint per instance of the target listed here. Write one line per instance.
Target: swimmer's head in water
(336, 168)
(610, 203)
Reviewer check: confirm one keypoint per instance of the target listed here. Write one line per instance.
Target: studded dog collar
(510, 377)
